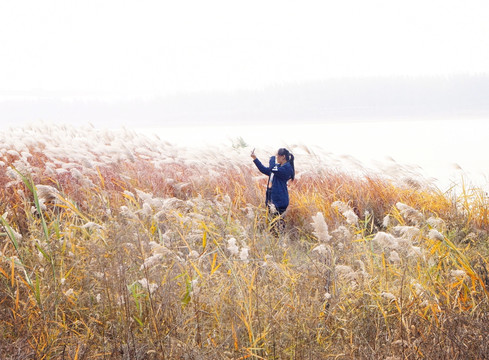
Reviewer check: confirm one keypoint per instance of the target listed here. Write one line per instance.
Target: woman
(280, 170)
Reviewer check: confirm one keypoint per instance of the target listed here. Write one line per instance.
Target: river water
(444, 151)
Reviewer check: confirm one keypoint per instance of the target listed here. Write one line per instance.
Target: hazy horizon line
(324, 100)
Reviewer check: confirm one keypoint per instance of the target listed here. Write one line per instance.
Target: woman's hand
(253, 156)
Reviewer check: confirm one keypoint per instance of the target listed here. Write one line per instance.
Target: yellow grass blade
(3, 273)
(235, 337)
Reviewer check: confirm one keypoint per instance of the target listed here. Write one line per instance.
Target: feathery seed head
(232, 247)
(435, 235)
(388, 296)
(410, 214)
(321, 228)
(385, 241)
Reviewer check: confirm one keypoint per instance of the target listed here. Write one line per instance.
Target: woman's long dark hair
(289, 158)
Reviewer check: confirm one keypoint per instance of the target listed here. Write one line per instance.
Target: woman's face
(280, 159)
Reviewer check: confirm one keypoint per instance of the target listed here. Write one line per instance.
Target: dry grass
(157, 255)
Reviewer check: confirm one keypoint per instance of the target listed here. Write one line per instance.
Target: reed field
(115, 245)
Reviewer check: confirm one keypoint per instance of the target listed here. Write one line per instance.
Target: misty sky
(116, 52)
(139, 49)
